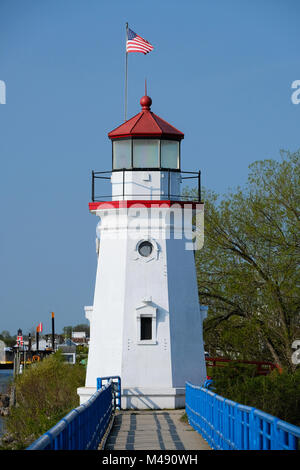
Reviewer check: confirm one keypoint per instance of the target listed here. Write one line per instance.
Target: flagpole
(126, 72)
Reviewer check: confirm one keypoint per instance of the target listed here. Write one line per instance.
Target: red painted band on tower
(93, 206)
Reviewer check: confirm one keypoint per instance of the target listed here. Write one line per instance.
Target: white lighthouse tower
(146, 321)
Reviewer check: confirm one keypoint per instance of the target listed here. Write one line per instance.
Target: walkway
(153, 430)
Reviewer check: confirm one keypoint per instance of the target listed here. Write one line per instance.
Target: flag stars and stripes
(136, 43)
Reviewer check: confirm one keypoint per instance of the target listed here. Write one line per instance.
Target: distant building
(79, 337)
(78, 334)
(46, 342)
(68, 350)
(58, 339)
(43, 344)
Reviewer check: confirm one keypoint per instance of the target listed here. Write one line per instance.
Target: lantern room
(146, 142)
(146, 161)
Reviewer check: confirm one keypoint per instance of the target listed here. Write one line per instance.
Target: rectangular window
(146, 328)
(170, 154)
(121, 154)
(145, 153)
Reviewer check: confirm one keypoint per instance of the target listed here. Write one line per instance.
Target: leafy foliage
(45, 393)
(82, 354)
(276, 394)
(248, 270)
(9, 340)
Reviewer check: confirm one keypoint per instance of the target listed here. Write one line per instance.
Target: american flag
(136, 43)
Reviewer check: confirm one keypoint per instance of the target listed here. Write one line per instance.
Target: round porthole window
(145, 249)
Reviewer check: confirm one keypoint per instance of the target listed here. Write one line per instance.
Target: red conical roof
(146, 124)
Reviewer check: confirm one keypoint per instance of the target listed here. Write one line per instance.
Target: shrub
(45, 393)
(276, 394)
(82, 354)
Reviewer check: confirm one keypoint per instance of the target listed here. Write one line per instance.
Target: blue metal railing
(116, 383)
(227, 425)
(83, 428)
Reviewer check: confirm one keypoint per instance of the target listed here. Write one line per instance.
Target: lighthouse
(146, 320)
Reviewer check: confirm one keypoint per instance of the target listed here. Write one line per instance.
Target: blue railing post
(117, 390)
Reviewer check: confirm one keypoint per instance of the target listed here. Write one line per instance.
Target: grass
(45, 393)
(184, 418)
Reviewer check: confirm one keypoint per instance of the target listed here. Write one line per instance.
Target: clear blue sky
(221, 72)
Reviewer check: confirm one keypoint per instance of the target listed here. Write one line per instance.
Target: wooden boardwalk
(153, 430)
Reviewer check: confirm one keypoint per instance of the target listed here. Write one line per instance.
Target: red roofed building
(146, 321)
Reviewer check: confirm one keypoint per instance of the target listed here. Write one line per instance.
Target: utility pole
(53, 333)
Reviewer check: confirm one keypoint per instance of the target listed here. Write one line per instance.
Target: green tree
(248, 270)
(67, 331)
(5, 334)
(82, 327)
(9, 340)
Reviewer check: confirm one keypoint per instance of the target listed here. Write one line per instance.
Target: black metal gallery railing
(189, 193)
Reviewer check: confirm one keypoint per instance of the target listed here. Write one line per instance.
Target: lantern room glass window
(146, 153)
(121, 154)
(169, 154)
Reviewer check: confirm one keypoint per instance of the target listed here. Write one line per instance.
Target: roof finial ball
(146, 102)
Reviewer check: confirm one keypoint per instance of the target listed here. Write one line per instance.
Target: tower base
(139, 398)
